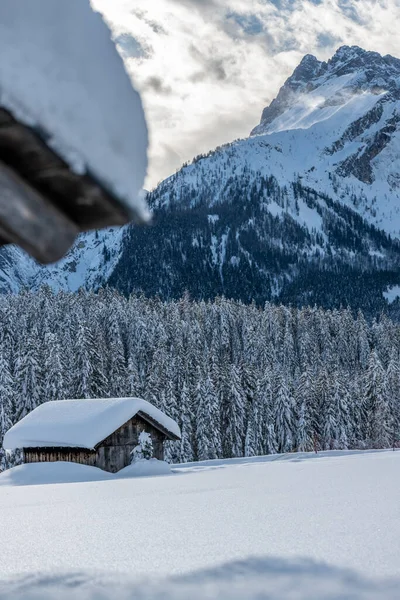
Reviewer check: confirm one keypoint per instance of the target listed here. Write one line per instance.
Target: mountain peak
(308, 68)
(349, 51)
(354, 57)
(361, 70)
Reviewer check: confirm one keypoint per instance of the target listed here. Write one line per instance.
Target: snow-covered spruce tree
(357, 418)
(376, 406)
(208, 434)
(83, 371)
(88, 378)
(156, 377)
(53, 380)
(283, 414)
(253, 434)
(305, 402)
(186, 424)
(233, 417)
(170, 407)
(28, 374)
(134, 387)
(321, 409)
(267, 436)
(117, 369)
(252, 442)
(330, 427)
(97, 353)
(340, 402)
(393, 396)
(144, 450)
(7, 407)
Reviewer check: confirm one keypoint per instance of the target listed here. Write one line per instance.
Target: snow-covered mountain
(335, 126)
(88, 264)
(305, 210)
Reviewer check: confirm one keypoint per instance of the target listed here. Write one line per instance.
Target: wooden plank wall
(113, 454)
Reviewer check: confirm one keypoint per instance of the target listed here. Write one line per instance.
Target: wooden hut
(100, 433)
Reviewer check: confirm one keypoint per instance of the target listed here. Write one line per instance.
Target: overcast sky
(207, 68)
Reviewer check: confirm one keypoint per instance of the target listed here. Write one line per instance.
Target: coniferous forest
(240, 380)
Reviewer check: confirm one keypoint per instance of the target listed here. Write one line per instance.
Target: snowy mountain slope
(306, 210)
(299, 526)
(335, 125)
(88, 264)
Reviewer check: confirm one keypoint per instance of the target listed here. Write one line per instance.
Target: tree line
(239, 379)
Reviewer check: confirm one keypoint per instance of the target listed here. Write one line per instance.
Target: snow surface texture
(220, 526)
(66, 472)
(251, 579)
(145, 468)
(64, 74)
(51, 472)
(80, 423)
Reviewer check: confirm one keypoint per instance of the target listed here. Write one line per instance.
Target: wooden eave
(44, 186)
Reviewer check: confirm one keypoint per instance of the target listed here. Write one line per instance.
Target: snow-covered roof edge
(83, 423)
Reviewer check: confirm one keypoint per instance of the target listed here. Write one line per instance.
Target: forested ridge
(246, 237)
(240, 380)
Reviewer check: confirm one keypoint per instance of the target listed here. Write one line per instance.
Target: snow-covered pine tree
(267, 436)
(170, 407)
(118, 386)
(253, 441)
(156, 377)
(330, 427)
(134, 388)
(321, 407)
(305, 402)
(208, 432)
(393, 396)
(28, 373)
(53, 381)
(186, 424)
(83, 371)
(7, 406)
(144, 450)
(376, 406)
(233, 416)
(283, 414)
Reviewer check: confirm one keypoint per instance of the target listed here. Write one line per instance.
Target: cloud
(129, 47)
(213, 67)
(207, 68)
(156, 84)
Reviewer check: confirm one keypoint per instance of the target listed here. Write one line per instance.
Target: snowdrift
(56, 472)
(145, 468)
(251, 579)
(68, 472)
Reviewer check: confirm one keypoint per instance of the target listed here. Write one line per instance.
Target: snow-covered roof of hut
(83, 423)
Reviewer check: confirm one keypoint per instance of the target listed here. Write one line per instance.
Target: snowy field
(288, 527)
